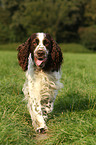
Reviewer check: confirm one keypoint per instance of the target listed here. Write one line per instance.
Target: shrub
(88, 37)
(4, 34)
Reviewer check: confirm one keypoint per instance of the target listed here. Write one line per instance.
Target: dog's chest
(42, 85)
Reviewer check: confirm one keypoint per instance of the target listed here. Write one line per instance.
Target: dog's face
(41, 46)
(45, 52)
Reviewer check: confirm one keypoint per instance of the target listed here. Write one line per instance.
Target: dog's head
(45, 52)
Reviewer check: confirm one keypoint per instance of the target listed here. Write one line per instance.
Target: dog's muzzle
(40, 58)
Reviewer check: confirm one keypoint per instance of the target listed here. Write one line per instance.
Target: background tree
(63, 19)
(90, 13)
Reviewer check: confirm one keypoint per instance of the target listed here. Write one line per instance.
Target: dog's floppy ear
(56, 55)
(23, 53)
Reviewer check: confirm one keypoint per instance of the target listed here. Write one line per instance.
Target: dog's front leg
(34, 107)
(36, 114)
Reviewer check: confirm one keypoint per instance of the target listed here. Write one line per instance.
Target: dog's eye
(35, 42)
(46, 42)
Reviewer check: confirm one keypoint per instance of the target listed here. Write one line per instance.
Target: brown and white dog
(41, 58)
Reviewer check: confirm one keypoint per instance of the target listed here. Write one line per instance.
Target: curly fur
(42, 84)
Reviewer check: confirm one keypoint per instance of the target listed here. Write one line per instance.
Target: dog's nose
(40, 53)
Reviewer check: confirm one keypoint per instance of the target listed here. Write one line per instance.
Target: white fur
(41, 46)
(40, 90)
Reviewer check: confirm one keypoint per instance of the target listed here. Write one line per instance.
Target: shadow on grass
(73, 102)
(27, 118)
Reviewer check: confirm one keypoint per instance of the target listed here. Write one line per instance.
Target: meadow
(73, 120)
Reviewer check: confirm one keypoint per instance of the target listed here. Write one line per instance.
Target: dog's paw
(41, 130)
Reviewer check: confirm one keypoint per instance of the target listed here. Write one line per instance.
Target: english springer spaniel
(41, 58)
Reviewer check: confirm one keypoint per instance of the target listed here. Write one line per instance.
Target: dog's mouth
(40, 62)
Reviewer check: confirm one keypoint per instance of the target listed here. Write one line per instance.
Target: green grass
(9, 47)
(73, 120)
(74, 48)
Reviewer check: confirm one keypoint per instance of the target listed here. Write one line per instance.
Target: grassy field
(73, 121)
(9, 47)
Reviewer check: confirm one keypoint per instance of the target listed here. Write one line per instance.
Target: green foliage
(59, 18)
(73, 120)
(90, 13)
(88, 37)
(4, 29)
(71, 18)
(4, 34)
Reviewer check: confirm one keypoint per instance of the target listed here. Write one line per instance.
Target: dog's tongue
(39, 62)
